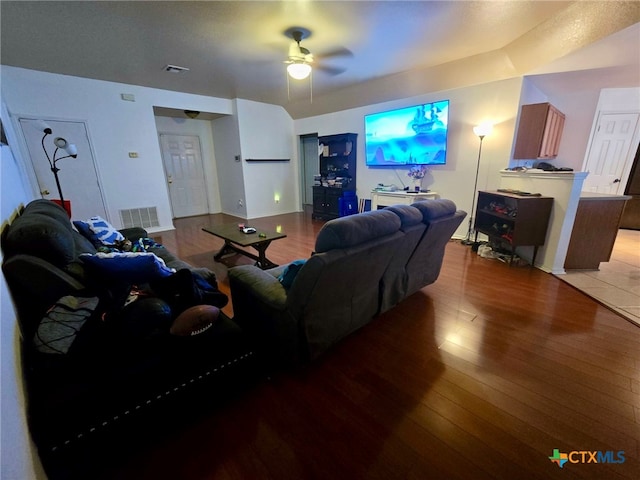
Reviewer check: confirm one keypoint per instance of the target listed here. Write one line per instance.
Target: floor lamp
(481, 131)
(60, 144)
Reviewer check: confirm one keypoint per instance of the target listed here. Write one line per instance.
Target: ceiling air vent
(175, 69)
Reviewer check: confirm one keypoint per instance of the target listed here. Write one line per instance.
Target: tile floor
(617, 283)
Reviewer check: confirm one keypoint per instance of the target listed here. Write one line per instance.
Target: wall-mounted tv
(407, 136)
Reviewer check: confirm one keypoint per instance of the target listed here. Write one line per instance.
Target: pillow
(289, 273)
(84, 230)
(105, 232)
(62, 323)
(133, 267)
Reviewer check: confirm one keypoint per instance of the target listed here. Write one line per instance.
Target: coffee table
(232, 236)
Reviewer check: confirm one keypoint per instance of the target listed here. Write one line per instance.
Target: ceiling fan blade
(331, 70)
(338, 52)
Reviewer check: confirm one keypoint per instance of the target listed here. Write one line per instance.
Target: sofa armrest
(260, 308)
(251, 284)
(35, 285)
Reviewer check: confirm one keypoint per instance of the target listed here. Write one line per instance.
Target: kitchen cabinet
(539, 132)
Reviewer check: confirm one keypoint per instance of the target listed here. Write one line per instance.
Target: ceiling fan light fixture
(299, 70)
(192, 113)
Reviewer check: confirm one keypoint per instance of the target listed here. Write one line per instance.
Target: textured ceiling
(236, 49)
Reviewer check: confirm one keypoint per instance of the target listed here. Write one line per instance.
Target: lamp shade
(72, 150)
(42, 126)
(60, 142)
(483, 129)
(299, 71)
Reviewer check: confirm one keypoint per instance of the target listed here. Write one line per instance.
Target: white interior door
(78, 176)
(182, 159)
(610, 153)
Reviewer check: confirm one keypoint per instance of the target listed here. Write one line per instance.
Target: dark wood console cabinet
(326, 202)
(513, 220)
(337, 166)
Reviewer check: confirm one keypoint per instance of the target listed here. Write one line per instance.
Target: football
(194, 320)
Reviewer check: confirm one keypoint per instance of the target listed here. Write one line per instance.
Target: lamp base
(66, 206)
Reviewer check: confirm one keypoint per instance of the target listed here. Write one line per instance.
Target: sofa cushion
(353, 230)
(50, 209)
(129, 267)
(408, 215)
(433, 209)
(41, 236)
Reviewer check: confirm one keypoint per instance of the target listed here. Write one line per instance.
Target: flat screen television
(407, 136)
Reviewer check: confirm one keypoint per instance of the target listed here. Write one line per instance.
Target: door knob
(617, 180)
(45, 192)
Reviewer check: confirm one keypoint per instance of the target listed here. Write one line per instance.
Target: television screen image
(407, 136)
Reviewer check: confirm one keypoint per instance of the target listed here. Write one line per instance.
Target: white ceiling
(236, 49)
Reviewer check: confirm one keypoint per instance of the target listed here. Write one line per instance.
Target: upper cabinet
(539, 132)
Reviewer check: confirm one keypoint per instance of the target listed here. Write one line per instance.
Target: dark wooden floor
(480, 375)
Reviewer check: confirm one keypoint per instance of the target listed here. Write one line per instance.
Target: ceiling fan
(300, 60)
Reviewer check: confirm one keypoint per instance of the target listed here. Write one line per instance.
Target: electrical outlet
(240, 203)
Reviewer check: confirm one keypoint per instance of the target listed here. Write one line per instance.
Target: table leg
(261, 259)
(226, 249)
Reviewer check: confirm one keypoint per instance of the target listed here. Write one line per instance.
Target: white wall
(266, 132)
(19, 458)
(226, 139)
(201, 129)
(115, 126)
(497, 102)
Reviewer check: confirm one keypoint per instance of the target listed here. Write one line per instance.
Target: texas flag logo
(559, 458)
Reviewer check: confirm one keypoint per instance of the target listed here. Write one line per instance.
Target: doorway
(182, 158)
(610, 153)
(78, 176)
(310, 165)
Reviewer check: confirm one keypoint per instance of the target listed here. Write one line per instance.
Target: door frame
(27, 161)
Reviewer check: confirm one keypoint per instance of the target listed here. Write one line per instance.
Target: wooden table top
(232, 233)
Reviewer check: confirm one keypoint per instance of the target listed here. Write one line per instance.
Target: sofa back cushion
(345, 232)
(409, 216)
(394, 281)
(40, 236)
(441, 219)
(48, 208)
(432, 209)
(44, 230)
(337, 290)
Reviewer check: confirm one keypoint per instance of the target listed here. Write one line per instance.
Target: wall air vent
(145, 217)
(175, 69)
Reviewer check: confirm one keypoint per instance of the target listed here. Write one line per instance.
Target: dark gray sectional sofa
(363, 265)
(125, 377)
